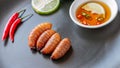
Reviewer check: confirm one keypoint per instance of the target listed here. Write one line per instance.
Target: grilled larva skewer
(61, 49)
(42, 40)
(36, 32)
(51, 44)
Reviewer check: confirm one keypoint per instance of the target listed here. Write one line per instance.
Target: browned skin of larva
(61, 49)
(36, 32)
(51, 44)
(44, 38)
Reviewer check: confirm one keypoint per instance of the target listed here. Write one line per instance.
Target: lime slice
(45, 6)
(94, 7)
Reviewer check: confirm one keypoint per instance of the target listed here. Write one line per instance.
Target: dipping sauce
(93, 13)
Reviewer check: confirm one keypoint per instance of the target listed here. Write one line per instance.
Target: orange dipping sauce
(89, 18)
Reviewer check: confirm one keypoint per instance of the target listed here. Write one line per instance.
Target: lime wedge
(45, 6)
(94, 7)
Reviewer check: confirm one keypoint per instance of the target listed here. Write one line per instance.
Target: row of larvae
(48, 41)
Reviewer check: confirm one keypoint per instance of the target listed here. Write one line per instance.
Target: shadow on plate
(63, 59)
(6, 42)
(46, 56)
(34, 51)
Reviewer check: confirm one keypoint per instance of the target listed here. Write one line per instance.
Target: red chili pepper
(9, 23)
(14, 26)
(79, 16)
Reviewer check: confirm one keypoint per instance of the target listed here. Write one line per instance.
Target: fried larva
(44, 38)
(61, 49)
(51, 44)
(36, 32)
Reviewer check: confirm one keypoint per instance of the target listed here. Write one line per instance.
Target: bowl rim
(95, 26)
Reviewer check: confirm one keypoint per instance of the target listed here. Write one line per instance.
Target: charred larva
(44, 38)
(61, 49)
(51, 44)
(36, 32)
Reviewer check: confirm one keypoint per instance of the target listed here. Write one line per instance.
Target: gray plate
(98, 48)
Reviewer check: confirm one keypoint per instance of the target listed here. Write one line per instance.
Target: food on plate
(51, 44)
(9, 23)
(93, 13)
(61, 49)
(36, 32)
(42, 40)
(45, 6)
(14, 26)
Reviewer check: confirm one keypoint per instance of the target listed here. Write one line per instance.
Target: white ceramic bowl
(111, 3)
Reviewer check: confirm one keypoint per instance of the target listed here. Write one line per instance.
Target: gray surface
(97, 48)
